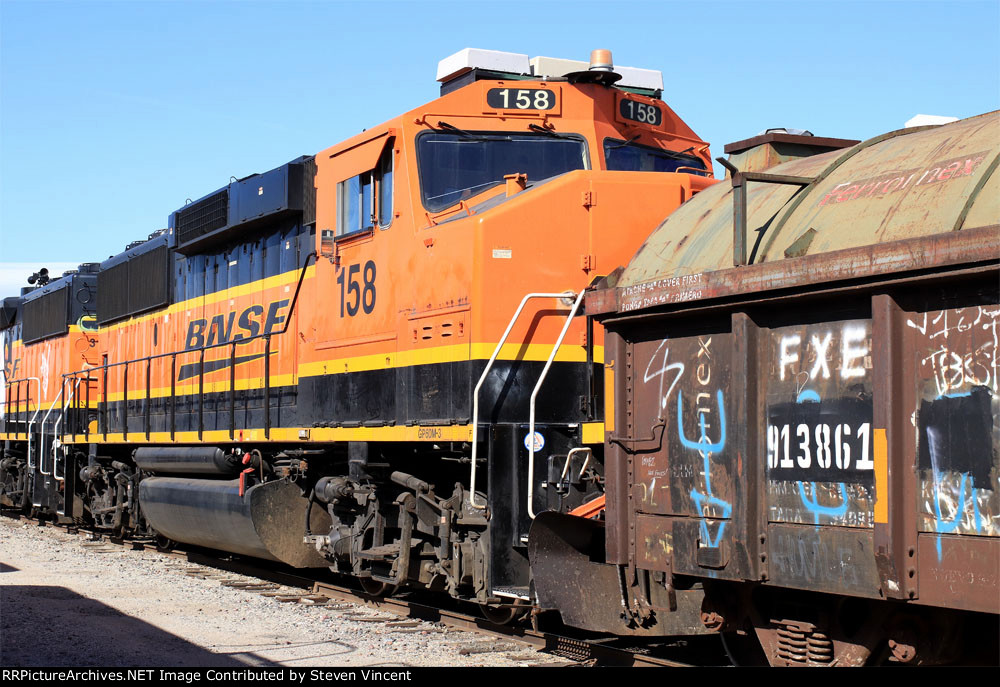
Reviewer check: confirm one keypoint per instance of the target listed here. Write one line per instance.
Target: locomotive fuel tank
(265, 520)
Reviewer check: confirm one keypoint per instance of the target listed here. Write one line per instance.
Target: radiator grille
(147, 280)
(46, 316)
(112, 293)
(139, 284)
(203, 217)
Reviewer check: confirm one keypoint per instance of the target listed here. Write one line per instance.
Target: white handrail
(482, 378)
(55, 431)
(531, 408)
(569, 458)
(41, 463)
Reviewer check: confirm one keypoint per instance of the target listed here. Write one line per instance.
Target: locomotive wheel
(505, 614)
(164, 545)
(376, 589)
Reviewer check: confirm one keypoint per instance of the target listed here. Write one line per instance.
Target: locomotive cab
(431, 230)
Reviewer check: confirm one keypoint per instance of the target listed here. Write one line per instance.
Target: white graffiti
(661, 372)
(960, 369)
(961, 320)
(953, 371)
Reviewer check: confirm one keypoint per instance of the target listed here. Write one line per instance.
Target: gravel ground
(65, 601)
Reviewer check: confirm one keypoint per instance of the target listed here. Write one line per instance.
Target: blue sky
(113, 113)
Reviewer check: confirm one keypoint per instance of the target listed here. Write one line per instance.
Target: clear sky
(113, 113)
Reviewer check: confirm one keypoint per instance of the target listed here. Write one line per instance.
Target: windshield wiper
(625, 143)
(548, 132)
(445, 126)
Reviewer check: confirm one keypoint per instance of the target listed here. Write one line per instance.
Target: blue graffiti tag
(812, 504)
(808, 395)
(942, 526)
(706, 448)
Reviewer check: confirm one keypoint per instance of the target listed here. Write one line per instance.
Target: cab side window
(365, 200)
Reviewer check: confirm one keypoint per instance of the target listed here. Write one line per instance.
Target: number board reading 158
(521, 98)
(640, 112)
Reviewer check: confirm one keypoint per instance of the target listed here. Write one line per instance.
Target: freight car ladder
(534, 394)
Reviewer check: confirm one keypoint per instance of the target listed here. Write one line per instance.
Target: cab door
(354, 366)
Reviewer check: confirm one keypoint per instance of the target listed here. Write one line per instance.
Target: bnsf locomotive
(367, 359)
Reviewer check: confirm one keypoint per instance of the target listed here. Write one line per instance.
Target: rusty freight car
(803, 450)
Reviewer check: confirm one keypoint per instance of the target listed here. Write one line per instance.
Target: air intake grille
(112, 293)
(46, 316)
(139, 284)
(202, 217)
(147, 280)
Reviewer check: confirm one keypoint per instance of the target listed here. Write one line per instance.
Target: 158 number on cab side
(357, 294)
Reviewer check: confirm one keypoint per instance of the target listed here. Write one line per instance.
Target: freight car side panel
(820, 467)
(687, 462)
(855, 455)
(957, 420)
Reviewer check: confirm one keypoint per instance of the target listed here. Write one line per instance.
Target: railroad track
(403, 612)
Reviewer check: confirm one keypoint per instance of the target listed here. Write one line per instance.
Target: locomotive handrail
(486, 371)
(27, 402)
(201, 350)
(569, 457)
(16, 383)
(41, 463)
(55, 430)
(534, 394)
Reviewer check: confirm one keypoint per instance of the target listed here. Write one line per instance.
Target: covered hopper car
(802, 446)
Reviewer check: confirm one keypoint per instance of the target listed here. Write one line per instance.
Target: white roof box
(632, 77)
(474, 58)
(925, 120)
(514, 63)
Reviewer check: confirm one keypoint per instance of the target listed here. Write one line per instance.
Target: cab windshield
(632, 157)
(455, 165)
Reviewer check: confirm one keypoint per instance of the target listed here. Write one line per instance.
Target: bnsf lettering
(220, 329)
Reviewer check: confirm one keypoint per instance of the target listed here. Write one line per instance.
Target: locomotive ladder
(534, 393)
(15, 384)
(27, 403)
(56, 442)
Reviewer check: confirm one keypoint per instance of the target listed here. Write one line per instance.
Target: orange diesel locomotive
(369, 358)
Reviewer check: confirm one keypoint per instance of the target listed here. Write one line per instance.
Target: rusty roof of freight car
(904, 184)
